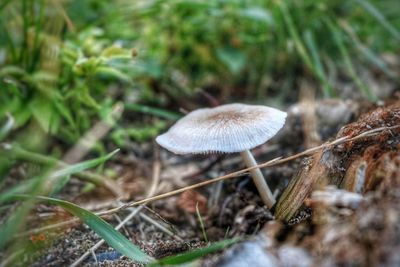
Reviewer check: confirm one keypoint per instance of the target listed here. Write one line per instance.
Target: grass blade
(83, 165)
(337, 37)
(21, 188)
(379, 17)
(310, 42)
(114, 238)
(295, 35)
(203, 230)
(16, 152)
(365, 51)
(311, 61)
(16, 220)
(193, 254)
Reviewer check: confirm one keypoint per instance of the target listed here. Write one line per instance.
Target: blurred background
(65, 63)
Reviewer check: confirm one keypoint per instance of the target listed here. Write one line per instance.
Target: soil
(345, 231)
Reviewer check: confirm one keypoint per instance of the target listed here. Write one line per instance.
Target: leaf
(257, 14)
(85, 97)
(43, 112)
(83, 165)
(114, 73)
(150, 66)
(13, 71)
(7, 127)
(116, 52)
(162, 113)
(142, 133)
(60, 185)
(232, 58)
(45, 77)
(194, 254)
(114, 238)
(17, 218)
(62, 108)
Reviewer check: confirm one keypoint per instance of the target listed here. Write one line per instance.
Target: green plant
(51, 77)
(200, 219)
(32, 191)
(254, 44)
(114, 238)
(192, 255)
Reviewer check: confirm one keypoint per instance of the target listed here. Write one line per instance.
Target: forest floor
(338, 206)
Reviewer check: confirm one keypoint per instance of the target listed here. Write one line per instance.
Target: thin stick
(159, 226)
(269, 163)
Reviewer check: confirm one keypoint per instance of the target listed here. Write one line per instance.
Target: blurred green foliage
(64, 63)
(246, 43)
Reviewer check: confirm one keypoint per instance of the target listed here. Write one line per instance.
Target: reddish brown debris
(190, 199)
(347, 229)
(386, 116)
(350, 165)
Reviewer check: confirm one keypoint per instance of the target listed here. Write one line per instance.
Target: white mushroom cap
(227, 128)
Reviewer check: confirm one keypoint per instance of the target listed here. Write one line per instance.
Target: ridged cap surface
(227, 128)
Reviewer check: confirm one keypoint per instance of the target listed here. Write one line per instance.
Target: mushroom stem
(258, 179)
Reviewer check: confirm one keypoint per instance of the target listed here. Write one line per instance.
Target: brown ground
(327, 228)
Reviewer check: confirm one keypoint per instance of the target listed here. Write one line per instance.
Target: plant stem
(258, 179)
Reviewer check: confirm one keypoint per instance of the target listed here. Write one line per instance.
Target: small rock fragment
(331, 196)
(250, 253)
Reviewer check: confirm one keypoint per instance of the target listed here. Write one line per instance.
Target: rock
(249, 253)
(291, 256)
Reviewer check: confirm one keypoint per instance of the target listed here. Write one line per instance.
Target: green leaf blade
(193, 254)
(114, 238)
(83, 165)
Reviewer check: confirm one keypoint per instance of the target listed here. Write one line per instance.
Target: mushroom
(228, 128)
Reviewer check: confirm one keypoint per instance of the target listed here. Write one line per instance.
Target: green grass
(114, 238)
(193, 255)
(273, 39)
(48, 183)
(200, 219)
(63, 66)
